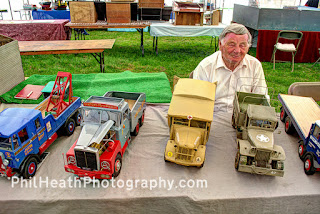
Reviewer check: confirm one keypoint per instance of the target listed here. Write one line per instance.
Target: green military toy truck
(255, 121)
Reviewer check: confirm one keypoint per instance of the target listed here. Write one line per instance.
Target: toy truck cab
(189, 118)
(108, 123)
(255, 121)
(20, 134)
(309, 150)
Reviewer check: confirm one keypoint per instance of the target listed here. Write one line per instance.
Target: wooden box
(188, 18)
(118, 13)
(83, 12)
(215, 17)
(151, 3)
(10, 64)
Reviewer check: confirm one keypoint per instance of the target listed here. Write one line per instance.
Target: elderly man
(232, 67)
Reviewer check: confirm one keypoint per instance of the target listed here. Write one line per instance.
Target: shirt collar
(221, 64)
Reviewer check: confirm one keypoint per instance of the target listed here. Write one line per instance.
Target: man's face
(234, 48)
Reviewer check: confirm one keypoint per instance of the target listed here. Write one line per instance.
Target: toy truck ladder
(58, 92)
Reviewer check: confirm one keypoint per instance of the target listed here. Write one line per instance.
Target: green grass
(177, 56)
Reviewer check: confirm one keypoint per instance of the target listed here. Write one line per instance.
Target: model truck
(189, 118)
(255, 121)
(25, 134)
(303, 115)
(107, 126)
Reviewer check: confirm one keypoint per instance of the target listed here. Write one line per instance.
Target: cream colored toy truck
(189, 118)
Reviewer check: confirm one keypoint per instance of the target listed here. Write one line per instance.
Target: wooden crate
(188, 18)
(215, 17)
(151, 3)
(11, 67)
(83, 12)
(118, 13)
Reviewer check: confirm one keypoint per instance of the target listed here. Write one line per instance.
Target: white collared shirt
(247, 77)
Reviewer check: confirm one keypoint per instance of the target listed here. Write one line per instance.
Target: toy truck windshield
(5, 144)
(98, 116)
(262, 123)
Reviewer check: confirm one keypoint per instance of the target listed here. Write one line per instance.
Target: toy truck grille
(184, 154)
(262, 158)
(86, 160)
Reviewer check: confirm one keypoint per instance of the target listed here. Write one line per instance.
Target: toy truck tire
(141, 120)
(283, 114)
(302, 150)
(69, 127)
(233, 121)
(308, 165)
(136, 130)
(288, 127)
(237, 160)
(77, 118)
(117, 166)
(30, 168)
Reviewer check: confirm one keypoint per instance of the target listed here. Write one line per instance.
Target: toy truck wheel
(288, 126)
(301, 150)
(30, 168)
(308, 165)
(136, 130)
(237, 160)
(77, 118)
(283, 114)
(69, 127)
(233, 121)
(141, 121)
(117, 166)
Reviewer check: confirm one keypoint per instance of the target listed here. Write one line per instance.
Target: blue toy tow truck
(25, 134)
(303, 115)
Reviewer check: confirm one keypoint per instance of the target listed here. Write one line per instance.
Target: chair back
(290, 35)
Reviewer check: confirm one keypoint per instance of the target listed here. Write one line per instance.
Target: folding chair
(317, 59)
(287, 47)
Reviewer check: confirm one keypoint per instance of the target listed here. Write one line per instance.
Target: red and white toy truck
(108, 124)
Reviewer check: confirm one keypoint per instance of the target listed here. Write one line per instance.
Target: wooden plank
(304, 111)
(151, 3)
(65, 46)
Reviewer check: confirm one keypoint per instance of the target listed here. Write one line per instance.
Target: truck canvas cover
(262, 112)
(190, 96)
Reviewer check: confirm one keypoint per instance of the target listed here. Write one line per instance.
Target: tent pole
(10, 9)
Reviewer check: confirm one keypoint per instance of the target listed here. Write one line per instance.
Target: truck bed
(303, 111)
(43, 106)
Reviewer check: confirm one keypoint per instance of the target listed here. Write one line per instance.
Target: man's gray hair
(238, 29)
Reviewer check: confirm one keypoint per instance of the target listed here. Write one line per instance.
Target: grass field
(177, 56)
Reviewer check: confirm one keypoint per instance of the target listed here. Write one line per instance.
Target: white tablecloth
(167, 29)
(227, 191)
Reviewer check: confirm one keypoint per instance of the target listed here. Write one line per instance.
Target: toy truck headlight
(275, 154)
(280, 165)
(252, 151)
(71, 160)
(6, 162)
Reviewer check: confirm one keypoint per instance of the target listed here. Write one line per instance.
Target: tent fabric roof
(193, 98)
